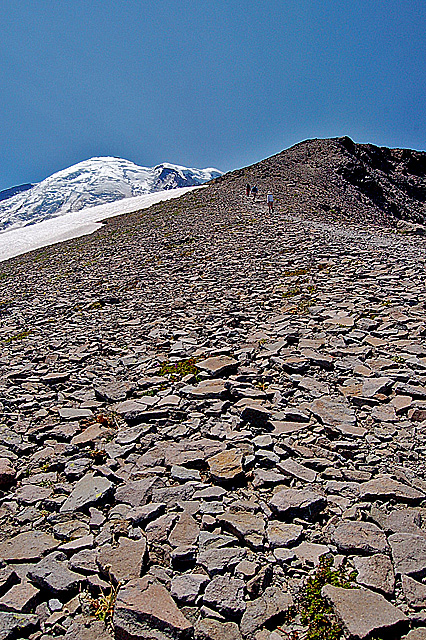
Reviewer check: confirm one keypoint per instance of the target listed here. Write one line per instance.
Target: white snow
(93, 182)
(75, 224)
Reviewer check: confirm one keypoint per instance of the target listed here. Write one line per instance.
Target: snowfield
(20, 240)
(93, 182)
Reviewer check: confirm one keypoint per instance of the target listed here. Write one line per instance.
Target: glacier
(19, 240)
(94, 182)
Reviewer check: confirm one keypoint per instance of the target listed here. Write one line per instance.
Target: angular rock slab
(125, 561)
(82, 629)
(363, 612)
(218, 560)
(226, 595)
(218, 366)
(289, 503)
(13, 625)
(21, 597)
(385, 487)
(280, 534)
(247, 526)
(272, 603)
(338, 414)
(359, 537)
(7, 472)
(28, 546)
(138, 492)
(375, 572)
(415, 592)
(145, 609)
(212, 629)
(185, 532)
(409, 554)
(226, 466)
(185, 588)
(52, 574)
(88, 491)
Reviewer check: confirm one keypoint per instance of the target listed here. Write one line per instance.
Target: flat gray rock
(113, 391)
(88, 491)
(145, 609)
(53, 575)
(70, 413)
(28, 546)
(385, 487)
(185, 588)
(272, 603)
(185, 532)
(124, 561)
(375, 572)
(218, 560)
(226, 595)
(338, 414)
(414, 592)
(22, 597)
(138, 493)
(13, 625)
(409, 554)
(218, 366)
(7, 472)
(363, 612)
(212, 629)
(288, 503)
(358, 537)
(247, 526)
(292, 468)
(280, 534)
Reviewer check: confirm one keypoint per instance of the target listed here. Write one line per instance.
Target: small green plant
(19, 336)
(178, 370)
(302, 271)
(103, 606)
(315, 611)
(290, 293)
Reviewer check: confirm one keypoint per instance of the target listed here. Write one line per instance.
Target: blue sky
(221, 83)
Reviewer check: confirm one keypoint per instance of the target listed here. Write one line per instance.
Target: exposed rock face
(200, 402)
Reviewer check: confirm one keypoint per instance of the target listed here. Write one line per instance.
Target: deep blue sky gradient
(220, 83)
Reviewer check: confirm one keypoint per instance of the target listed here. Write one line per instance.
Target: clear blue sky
(220, 83)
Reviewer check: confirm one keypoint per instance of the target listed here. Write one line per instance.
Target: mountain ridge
(5, 194)
(339, 178)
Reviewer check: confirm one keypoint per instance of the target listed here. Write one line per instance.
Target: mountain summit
(339, 179)
(94, 182)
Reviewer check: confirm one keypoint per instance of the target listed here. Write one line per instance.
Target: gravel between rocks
(303, 432)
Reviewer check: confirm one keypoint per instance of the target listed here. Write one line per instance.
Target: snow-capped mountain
(91, 183)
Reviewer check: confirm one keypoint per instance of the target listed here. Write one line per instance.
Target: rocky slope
(199, 402)
(344, 181)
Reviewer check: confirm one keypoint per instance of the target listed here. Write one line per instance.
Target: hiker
(270, 201)
(254, 191)
(248, 189)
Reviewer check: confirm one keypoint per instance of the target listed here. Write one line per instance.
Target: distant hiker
(254, 191)
(270, 201)
(248, 189)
